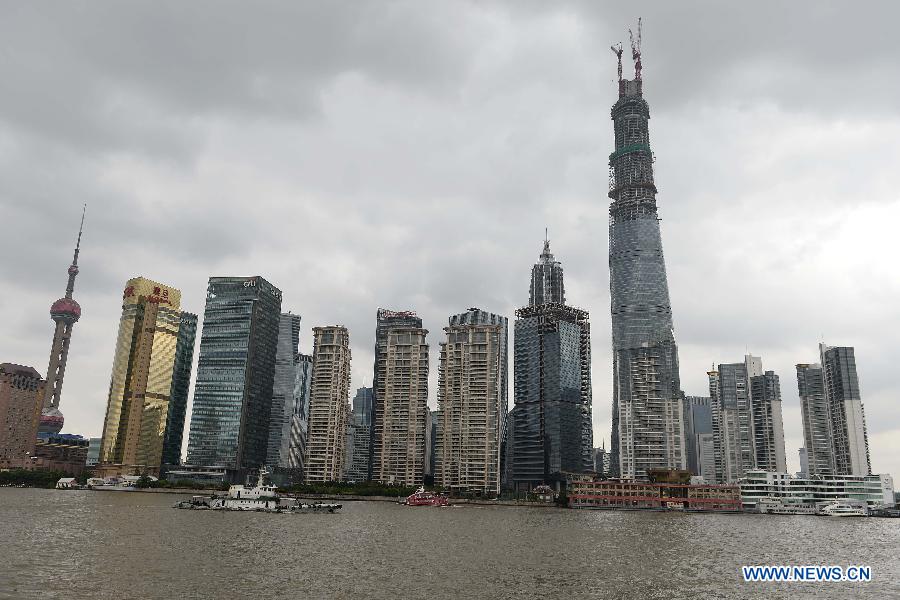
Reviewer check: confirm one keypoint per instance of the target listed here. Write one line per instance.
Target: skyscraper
(849, 438)
(65, 312)
(400, 385)
(21, 399)
(768, 426)
(549, 430)
(140, 388)
(547, 280)
(729, 389)
(181, 383)
(284, 399)
(328, 409)
(698, 430)
(816, 420)
(648, 429)
(300, 416)
(359, 436)
(235, 375)
(471, 385)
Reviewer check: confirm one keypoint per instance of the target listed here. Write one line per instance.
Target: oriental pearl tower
(65, 312)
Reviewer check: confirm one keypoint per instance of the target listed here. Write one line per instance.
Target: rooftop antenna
(636, 51)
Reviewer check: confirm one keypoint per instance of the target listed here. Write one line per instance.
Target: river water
(83, 544)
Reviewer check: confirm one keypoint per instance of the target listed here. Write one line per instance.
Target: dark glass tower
(181, 383)
(647, 414)
(235, 374)
(549, 430)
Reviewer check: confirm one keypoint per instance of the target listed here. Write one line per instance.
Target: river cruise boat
(777, 506)
(843, 508)
(422, 498)
(259, 498)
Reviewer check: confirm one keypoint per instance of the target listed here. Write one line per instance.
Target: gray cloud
(392, 154)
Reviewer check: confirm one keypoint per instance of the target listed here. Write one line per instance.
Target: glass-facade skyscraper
(359, 436)
(816, 420)
(849, 437)
(648, 431)
(235, 374)
(181, 383)
(143, 372)
(284, 398)
(549, 429)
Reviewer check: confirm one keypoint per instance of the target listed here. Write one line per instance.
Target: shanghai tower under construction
(647, 430)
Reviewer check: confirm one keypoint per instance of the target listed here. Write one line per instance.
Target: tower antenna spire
(636, 51)
(80, 229)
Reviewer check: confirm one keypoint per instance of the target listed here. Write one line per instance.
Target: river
(84, 544)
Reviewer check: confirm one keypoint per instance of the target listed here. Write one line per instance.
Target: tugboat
(422, 498)
(260, 498)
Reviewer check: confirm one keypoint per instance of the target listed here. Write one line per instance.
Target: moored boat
(843, 508)
(258, 498)
(422, 498)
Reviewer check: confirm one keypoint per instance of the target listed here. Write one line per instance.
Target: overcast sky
(409, 155)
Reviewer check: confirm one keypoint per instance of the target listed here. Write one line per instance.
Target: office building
(849, 438)
(181, 384)
(235, 375)
(816, 420)
(549, 429)
(471, 390)
(140, 388)
(328, 406)
(648, 427)
(359, 436)
(698, 437)
(300, 417)
(284, 400)
(65, 312)
(21, 400)
(768, 427)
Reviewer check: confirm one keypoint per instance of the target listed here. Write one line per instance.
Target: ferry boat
(777, 506)
(260, 498)
(843, 508)
(422, 498)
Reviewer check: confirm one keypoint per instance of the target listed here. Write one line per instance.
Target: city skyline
(795, 267)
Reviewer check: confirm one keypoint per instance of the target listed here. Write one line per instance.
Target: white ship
(777, 506)
(260, 498)
(843, 508)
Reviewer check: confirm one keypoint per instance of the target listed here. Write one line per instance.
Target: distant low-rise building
(874, 490)
(657, 495)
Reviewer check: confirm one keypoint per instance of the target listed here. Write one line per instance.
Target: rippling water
(86, 544)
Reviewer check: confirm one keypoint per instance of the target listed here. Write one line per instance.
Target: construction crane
(617, 50)
(636, 51)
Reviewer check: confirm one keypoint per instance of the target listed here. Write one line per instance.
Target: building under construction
(648, 431)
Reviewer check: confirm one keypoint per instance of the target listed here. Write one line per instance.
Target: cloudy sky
(409, 155)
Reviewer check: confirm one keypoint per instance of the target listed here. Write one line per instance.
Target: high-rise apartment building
(235, 375)
(181, 384)
(768, 426)
(400, 385)
(816, 420)
(21, 399)
(300, 417)
(328, 407)
(284, 399)
(65, 312)
(359, 436)
(549, 430)
(849, 438)
(140, 388)
(729, 389)
(648, 428)
(471, 387)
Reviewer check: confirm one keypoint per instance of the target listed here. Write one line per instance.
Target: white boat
(843, 508)
(777, 506)
(259, 498)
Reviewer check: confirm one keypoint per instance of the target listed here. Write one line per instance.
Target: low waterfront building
(659, 495)
(874, 490)
(64, 452)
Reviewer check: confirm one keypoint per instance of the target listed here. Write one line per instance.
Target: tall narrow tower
(65, 312)
(647, 415)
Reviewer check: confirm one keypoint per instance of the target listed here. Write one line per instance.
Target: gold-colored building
(138, 405)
